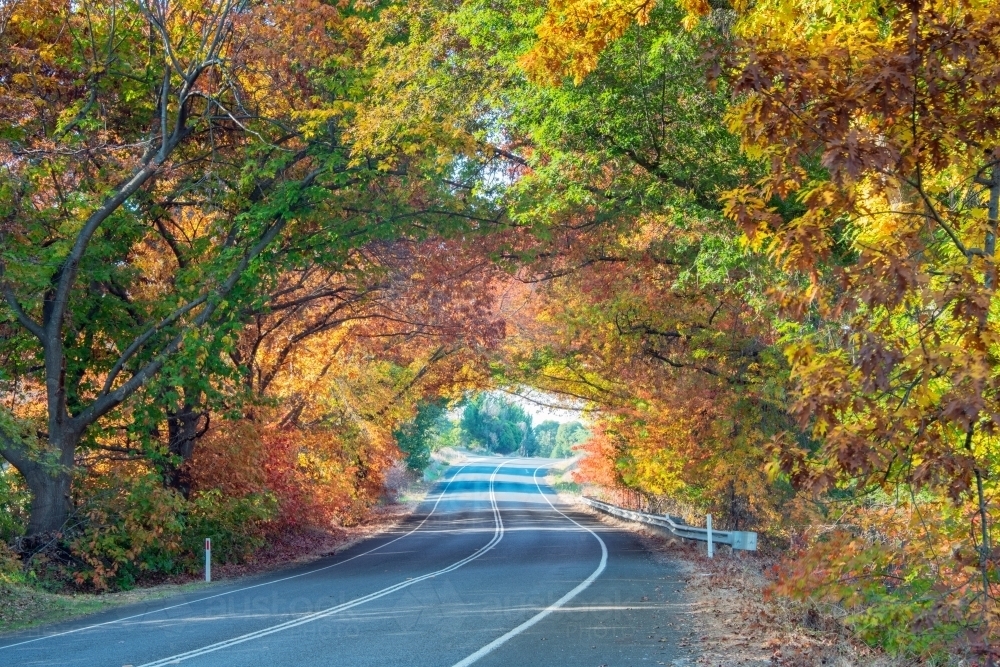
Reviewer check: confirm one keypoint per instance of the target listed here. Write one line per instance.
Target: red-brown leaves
(891, 107)
(877, 362)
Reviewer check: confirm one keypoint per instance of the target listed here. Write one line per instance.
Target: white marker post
(708, 524)
(208, 558)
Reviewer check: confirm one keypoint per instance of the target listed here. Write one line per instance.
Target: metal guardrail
(737, 539)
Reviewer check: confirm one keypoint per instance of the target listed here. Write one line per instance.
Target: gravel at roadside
(735, 624)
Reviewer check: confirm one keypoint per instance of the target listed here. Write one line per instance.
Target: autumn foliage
(875, 129)
(217, 307)
(241, 243)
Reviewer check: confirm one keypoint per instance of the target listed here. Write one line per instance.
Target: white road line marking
(555, 605)
(246, 588)
(309, 618)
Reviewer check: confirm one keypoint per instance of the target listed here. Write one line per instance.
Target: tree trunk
(49, 475)
(182, 436)
(50, 499)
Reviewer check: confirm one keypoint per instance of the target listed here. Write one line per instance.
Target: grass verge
(24, 606)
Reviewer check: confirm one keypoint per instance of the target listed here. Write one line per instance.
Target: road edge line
(245, 588)
(503, 639)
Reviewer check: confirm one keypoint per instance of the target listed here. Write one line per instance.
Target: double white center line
(503, 639)
(498, 533)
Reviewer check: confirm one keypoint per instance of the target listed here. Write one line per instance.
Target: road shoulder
(736, 623)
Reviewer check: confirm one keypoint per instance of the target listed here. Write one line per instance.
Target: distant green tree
(545, 436)
(568, 435)
(498, 425)
(447, 432)
(416, 437)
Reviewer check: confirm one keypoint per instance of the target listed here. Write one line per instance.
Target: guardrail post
(708, 525)
(208, 559)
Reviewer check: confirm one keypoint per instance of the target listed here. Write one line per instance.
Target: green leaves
(416, 437)
(494, 423)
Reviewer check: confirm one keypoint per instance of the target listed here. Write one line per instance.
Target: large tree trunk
(49, 475)
(50, 500)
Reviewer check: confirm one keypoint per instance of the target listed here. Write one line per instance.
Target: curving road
(490, 570)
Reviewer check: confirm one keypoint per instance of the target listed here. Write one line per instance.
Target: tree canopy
(251, 252)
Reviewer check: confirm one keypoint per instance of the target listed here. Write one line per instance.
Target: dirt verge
(736, 623)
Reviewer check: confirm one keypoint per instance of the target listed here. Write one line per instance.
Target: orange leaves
(573, 34)
(230, 459)
(600, 453)
(338, 361)
(318, 476)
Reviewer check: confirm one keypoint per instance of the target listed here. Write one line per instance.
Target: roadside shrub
(131, 527)
(10, 564)
(903, 573)
(249, 482)
(128, 525)
(237, 526)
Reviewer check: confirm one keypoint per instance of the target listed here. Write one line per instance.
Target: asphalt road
(491, 570)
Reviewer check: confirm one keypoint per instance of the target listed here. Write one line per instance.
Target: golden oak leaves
(573, 34)
(880, 129)
(834, 82)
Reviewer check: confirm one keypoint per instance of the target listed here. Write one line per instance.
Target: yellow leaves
(747, 208)
(804, 243)
(46, 53)
(819, 194)
(926, 395)
(656, 470)
(314, 121)
(825, 22)
(573, 34)
(800, 352)
(651, 228)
